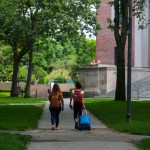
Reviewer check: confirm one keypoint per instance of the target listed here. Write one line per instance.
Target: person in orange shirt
(56, 105)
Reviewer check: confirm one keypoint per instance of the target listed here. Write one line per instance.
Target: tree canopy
(22, 23)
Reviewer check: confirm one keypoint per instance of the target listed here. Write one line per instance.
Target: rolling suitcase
(84, 121)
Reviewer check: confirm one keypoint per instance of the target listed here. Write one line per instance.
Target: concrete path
(67, 138)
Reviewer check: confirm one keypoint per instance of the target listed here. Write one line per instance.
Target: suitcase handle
(84, 112)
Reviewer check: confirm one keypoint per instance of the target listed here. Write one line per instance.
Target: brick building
(101, 78)
(105, 41)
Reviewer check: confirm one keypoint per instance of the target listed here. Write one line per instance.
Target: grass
(4, 94)
(6, 99)
(113, 114)
(144, 144)
(14, 100)
(19, 117)
(13, 141)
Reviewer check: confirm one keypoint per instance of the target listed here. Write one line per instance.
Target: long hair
(56, 88)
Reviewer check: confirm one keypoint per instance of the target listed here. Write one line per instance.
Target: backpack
(77, 96)
(54, 100)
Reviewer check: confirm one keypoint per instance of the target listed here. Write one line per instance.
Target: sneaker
(76, 124)
(76, 120)
(53, 127)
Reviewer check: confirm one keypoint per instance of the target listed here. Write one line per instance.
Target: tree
(85, 53)
(139, 11)
(5, 62)
(39, 74)
(120, 33)
(14, 32)
(23, 22)
(121, 27)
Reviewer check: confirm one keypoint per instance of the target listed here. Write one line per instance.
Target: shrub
(61, 79)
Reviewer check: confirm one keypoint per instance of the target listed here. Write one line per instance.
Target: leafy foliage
(85, 53)
(57, 73)
(23, 73)
(139, 11)
(23, 22)
(39, 74)
(61, 58)
(5, 62)
(61, 79)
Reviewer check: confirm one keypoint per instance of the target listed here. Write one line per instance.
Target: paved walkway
(67, 138)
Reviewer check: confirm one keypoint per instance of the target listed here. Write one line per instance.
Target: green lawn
(6, 99)
(14, 100)
(4, 94)
(19, 117)
(144, 144)
(113, 114)
(13, 141)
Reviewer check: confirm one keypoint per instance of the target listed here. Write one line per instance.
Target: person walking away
(56, 105)
(78, 102)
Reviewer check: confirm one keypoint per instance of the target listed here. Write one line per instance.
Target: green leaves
(139, 11)
(23, 22)
(5, 62)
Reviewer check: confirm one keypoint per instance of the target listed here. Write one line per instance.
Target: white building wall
(142, 46)
(149, 33)
(142, 40)
(138, 46)
(146, 39)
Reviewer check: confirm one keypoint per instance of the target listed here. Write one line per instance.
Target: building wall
(105, 40)
(101, 79)
(142, 44)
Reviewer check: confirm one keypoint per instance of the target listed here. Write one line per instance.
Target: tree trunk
(27, 89)
(120, 33)
(14, 89)
(120, 94)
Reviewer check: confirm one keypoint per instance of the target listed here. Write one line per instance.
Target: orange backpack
(54, 100)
